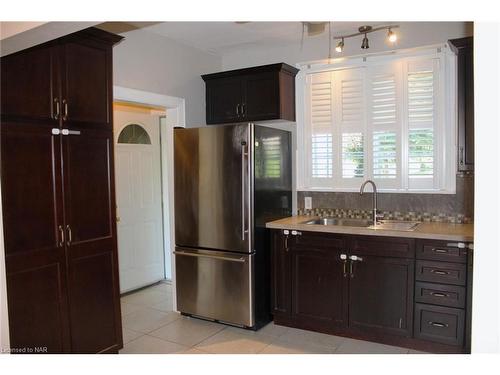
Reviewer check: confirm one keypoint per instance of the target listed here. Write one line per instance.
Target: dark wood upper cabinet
(251, 94)
(58, 196)
(464, 48)
(86, 69)
(32, 71)
(224, 98)
(381, 295)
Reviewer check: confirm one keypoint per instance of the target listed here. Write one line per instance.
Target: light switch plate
(308, 203)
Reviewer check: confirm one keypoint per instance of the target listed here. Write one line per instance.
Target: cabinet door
(91, 241)
(32, 71)
(280, 274)
(381, 296)
(465, 101)
(86, 82)
(224, 98)
(35, 259)
(319, 288)
(261, 97)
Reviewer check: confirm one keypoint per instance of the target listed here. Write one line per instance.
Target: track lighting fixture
(391, 36)
(364, 44)
(340, 46)
(364, 30)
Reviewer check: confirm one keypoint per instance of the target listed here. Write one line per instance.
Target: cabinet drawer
(383, 246)
(441, 272)
(317, 240)
(439, 324)
(439, 250)
(438, 294)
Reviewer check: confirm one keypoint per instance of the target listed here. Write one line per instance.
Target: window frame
(444, 123)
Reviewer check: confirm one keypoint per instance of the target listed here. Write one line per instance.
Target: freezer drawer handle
(238, 260)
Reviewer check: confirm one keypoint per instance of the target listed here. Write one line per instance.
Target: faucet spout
(374, 200)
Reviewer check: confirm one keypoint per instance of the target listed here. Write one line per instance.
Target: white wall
(153, 63)
(486, 291)
(411, 34)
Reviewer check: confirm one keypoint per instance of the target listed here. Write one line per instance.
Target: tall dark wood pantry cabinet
(58, 196)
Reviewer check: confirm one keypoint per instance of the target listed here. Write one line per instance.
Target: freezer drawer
(215, 285)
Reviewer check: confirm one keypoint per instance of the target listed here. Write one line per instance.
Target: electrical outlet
(308, 203)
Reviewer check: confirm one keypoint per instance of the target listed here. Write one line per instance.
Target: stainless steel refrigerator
(229, 181)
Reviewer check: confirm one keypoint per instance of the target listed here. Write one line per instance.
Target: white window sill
(393, 191)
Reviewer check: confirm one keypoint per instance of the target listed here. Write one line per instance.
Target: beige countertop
(435, 231)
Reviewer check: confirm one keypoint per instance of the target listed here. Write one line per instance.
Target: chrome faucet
(361, 191)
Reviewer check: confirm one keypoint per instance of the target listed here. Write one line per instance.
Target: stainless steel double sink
(406, 226)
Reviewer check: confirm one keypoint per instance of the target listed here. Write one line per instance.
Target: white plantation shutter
(389, 119)
(384, 97)
(421, 86)
(350, 126)
(320, 123)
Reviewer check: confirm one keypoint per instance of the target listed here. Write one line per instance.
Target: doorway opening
(139, 204)
(143, 136)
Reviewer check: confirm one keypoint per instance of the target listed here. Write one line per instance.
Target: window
(134, 134)
(390, 120)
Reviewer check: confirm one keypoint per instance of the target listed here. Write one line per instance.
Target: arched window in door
(134, 134)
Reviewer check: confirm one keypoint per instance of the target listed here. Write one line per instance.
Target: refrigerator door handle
(244, 153)
(239, 260)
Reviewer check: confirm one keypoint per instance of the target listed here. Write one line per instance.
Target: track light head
(340, 46)
(392, 36)
(364, 44)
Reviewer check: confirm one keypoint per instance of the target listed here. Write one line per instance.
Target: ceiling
(224, 37)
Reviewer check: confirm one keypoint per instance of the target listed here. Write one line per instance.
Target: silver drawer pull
(437, 324)
(439, 272)
(438, 294)
(239, 260)
(441, 251)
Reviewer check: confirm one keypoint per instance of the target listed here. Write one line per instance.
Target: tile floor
(151, 327)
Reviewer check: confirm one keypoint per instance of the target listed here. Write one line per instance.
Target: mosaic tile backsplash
(451, 208)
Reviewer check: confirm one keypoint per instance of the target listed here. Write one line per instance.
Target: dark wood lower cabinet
(381, 296)
(338, 284)
(318, 287)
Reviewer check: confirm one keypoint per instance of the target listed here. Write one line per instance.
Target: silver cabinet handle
(238, 260)
(439, 272)
(351, 273)
(61, 236)
(58, 109)
(70, 132)
(65, 105)
(460, 245)
(356, 258)
(343, 257)
(437, 324)
(70, 235)
(439, 294)
(238, 110)
(243, 110)
(441, 251)
(461, 155)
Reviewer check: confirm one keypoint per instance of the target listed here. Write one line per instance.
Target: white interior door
(138, 196)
